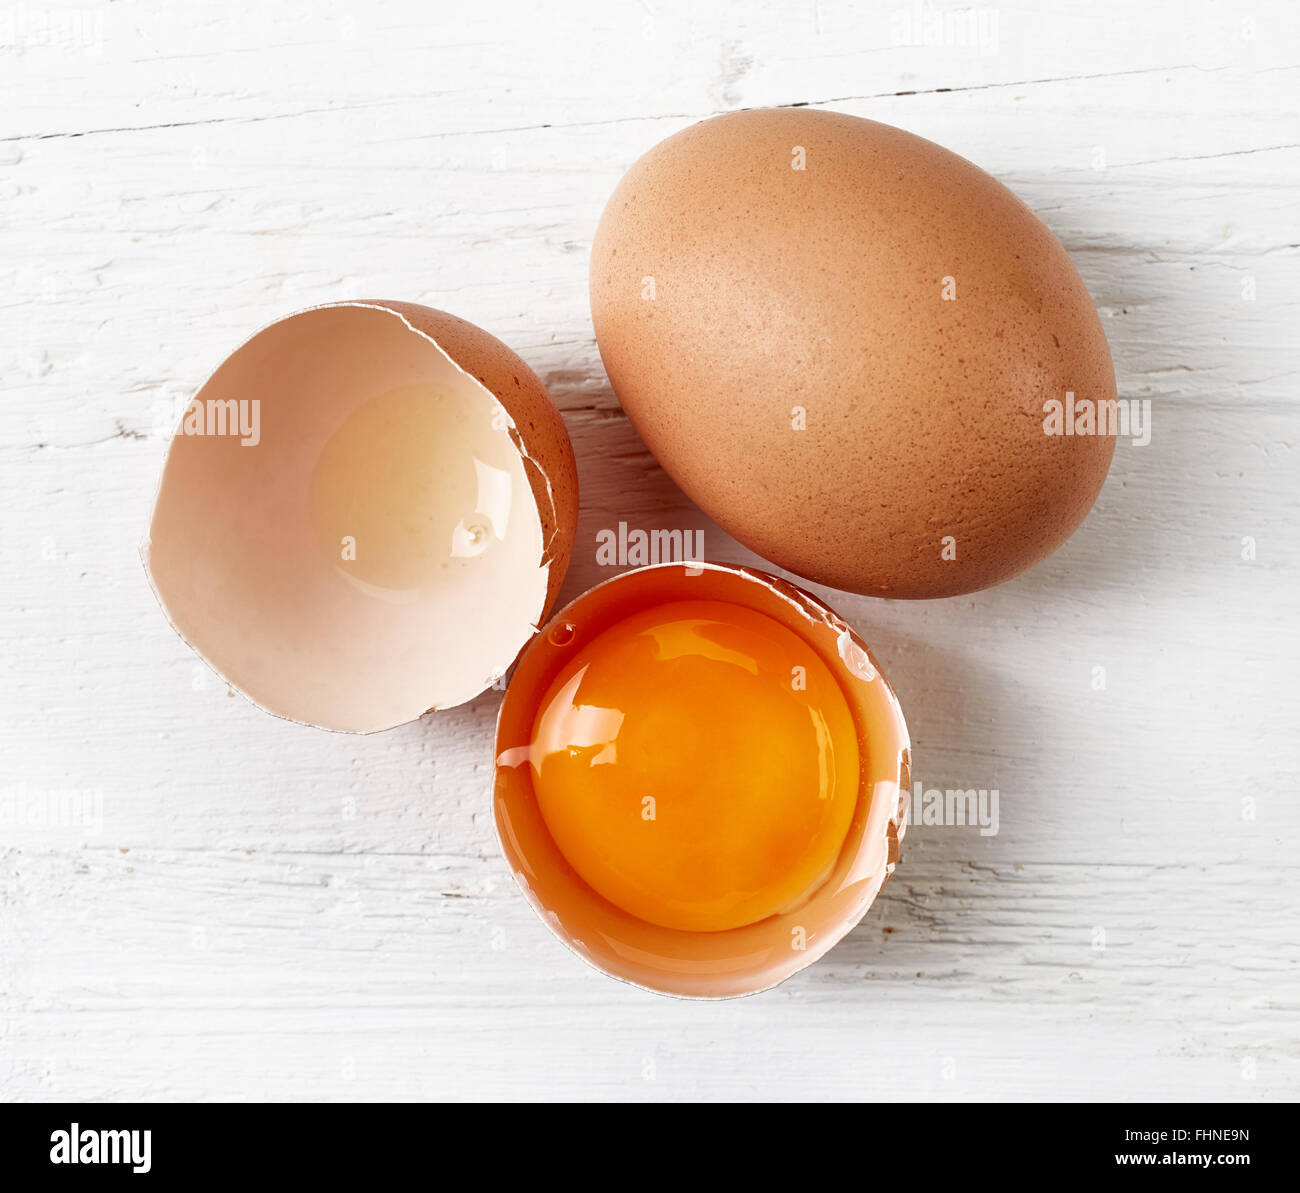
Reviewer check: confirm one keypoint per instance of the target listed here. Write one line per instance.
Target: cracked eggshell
(737, 961)
(538, 428)
(386, 528)
(838, 339)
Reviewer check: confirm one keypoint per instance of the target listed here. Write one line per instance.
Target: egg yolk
(698, 766)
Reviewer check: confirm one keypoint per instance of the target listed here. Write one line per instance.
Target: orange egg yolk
(697, 764)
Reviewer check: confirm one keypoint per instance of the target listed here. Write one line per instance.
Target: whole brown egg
(844, 343)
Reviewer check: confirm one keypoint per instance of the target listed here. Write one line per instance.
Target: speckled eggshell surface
(838, 339)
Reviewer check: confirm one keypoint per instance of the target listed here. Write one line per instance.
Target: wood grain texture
(200, 901)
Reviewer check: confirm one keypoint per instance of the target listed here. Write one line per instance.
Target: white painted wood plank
(411, 976)
(181, 175)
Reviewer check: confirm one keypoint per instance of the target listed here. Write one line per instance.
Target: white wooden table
(223, 905)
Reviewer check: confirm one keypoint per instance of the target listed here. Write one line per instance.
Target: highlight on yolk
(697, 764)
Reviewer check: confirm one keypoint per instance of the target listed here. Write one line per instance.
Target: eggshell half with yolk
(600, 901)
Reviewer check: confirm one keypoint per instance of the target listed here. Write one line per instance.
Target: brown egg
(365, 513)
(839, 339)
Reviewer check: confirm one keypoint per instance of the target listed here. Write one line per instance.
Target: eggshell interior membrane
(391, 533)
(736, 961)
(838, 339)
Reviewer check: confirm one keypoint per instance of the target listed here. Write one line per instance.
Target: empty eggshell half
(364, 515)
